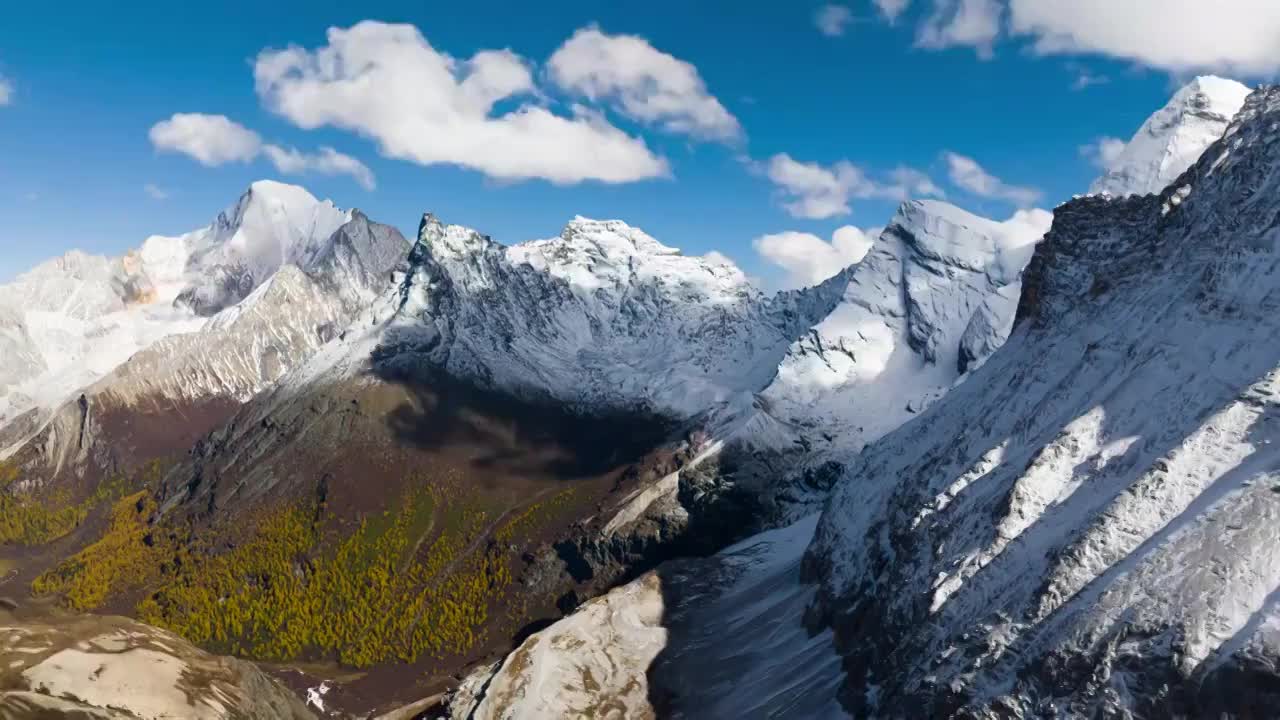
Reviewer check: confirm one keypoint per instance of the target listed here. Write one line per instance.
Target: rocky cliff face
(1087, 525)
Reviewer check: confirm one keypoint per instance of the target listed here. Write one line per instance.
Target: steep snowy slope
(1171, 140)
(1088, 525)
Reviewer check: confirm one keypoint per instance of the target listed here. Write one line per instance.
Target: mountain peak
(1172, 139)
(614, 236)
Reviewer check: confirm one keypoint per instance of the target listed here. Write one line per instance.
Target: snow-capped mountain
(929, 302)
(72, 320)
(1087, 526)
(1172, 139)
(117, 403)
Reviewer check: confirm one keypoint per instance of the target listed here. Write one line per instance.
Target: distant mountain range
(294, 435)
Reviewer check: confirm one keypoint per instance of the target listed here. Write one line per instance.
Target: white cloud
(715, 257)
(211, 139)
(908, 182)
(961, 23)
(1086, 78)
(325, 162)
(387, 83)
(1240, 36)
(1103, 152)
(1177, 36)
(833, 20)
(967, 174)
(214, 140)
(891, 9)
(155, 192)
(815, 192)
(808, 259)
(1025, 227)
(818, 192)
(1017, 237)
(6, 91)
(642, 82)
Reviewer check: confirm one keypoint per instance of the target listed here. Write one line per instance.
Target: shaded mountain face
(1088, 523)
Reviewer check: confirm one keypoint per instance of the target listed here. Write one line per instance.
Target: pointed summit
(1172, 139)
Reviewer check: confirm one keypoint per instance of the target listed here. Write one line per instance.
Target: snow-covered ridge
(601, 317)
(1089, 523)
(1172, 139)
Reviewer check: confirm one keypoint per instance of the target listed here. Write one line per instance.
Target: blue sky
(88, 82)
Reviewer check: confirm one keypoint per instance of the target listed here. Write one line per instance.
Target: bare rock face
(1088, 525)
(112, 668)
(592, 664)
(719, 636)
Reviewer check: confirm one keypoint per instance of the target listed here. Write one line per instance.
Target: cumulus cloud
(6, 91)
(1176, 35)
(967, 174)
(641, 82)
(213, 140)
(155, 192)
(715, 257)
(816, 192)
(1103, 152)
(1017, 238)
(908, 182)
(807, 259)
(387, 83)
(953, 23)
(325, 162)
(1025, 227)
(891, 9)
(833, 20)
